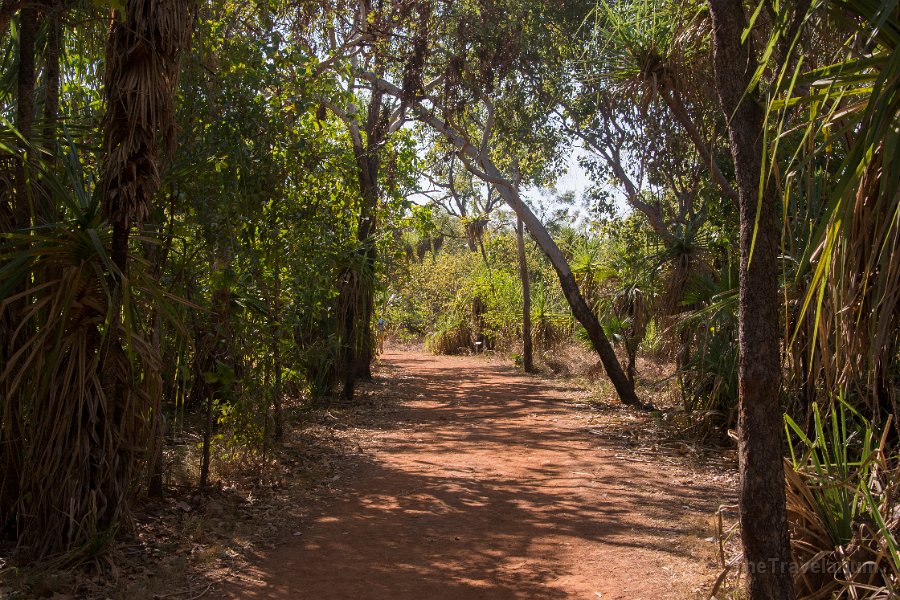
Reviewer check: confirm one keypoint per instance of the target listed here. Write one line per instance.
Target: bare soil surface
(467, 479)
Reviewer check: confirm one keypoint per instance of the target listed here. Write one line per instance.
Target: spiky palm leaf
(78, 385)
(849, 268)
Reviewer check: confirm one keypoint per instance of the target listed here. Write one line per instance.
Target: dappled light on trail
(487, 483)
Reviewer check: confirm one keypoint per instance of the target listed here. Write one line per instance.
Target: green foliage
(436, 299)
(230, 300)
(839, 455)
(841, 501)
(285, 216)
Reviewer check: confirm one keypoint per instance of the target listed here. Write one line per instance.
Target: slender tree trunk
(369, 167)
(475, 244)
(580, 309)
(45, 210)
(206, 452)
(357, 328)
(156, 255)
(366, 351)
(527, 353)
(11, 442)
(763, 517)
(51, 89)
(631, 349)
(348, 309)
(481, 340)
(221, 352)
(25, 112)
(158, 423)
(278, 415)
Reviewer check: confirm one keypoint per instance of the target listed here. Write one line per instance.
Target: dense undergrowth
(213, 213)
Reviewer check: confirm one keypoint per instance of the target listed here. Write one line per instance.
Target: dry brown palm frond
(454, 340)
(142, 64)
(861, 568)
(82, 370)
(848, 315)
(810, 541)
(867, 290)
(80, 451)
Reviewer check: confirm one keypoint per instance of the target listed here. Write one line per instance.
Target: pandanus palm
(656, 49)
(845, 171)
(82, 370)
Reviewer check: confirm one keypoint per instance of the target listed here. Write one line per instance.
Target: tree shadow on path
(485, 483)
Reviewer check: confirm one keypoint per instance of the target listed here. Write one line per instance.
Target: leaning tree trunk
(475, 161)
(763, 517)
(527, 352)
(580, 309)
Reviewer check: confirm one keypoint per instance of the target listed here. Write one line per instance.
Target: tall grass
(841, 495)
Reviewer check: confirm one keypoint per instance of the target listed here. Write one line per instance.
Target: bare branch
(349, 119)
(488, 124)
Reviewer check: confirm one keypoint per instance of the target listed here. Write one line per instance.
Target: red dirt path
(489, 484)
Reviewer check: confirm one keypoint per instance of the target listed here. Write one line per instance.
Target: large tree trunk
(143, 52)
(762, 497)
(527, 352)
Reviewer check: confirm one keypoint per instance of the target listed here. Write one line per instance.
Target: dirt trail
(489, 484)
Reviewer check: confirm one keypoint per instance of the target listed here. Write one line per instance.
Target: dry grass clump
(843, 511)
(861, 568)
(566, 359)
(454, 340)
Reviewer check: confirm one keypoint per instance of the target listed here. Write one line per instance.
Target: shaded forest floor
(451, 477)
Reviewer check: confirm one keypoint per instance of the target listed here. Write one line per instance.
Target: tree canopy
(212, 213)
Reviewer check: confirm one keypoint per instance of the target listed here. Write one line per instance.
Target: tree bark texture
(762, 496)
(527, 350)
